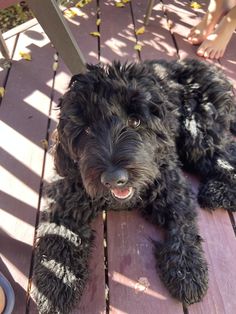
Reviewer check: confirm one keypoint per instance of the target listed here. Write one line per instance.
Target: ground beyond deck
(123, 276)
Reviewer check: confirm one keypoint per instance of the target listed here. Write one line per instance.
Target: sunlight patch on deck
(116, 46)
(38, 101)
(18, 150)
(16, 228)
(125, 281)
(18, 275)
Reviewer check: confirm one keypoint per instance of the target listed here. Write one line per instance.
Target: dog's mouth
(122, 193)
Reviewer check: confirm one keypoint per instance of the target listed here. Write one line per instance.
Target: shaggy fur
(123, 135)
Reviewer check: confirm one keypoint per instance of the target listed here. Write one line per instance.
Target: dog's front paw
(184, 272)
(60, 267)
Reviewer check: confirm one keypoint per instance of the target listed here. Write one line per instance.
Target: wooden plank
(157, 40)
(93, 298)
(24, 123)
(131, 263)
(117, 33)
(216, 225)
(81, 26)
(181, 17)
(94, 294)
(228, 62)
(220, 249)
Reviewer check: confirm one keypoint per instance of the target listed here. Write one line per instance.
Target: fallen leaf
(138, 47)
(170, 24)
(119, 4)
(70, 13)
(195, 5)
(95, 34)
(26, 55)
(98, 22)
(2, 92)
(125, 1)
(82, 3)
(44, 144)
(141, 285)
(140, 30)
(55, 66)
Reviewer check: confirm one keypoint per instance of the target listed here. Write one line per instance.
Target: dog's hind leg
(180, 259)
(64, 240)
(218, 189)
(213, 157)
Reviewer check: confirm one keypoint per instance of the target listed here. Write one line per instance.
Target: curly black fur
(128, 129)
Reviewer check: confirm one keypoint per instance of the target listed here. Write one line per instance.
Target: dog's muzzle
(116, 180)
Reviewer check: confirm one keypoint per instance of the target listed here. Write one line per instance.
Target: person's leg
(214, 45)
(216, 9)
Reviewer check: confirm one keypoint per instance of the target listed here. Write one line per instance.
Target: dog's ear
(64, 165)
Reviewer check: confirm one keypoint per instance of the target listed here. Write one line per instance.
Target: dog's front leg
(64, 242)
(180, 259)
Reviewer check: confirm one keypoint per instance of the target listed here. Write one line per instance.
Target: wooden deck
(128, 283)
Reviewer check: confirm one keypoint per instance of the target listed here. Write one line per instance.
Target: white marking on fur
(208, 107)
(224, 164)
(191, 126)
(59, 270)
(53, 229)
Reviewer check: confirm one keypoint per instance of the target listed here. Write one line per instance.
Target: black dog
(123, 134)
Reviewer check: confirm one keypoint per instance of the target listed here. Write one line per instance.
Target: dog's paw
(60, 267)
(184, 272)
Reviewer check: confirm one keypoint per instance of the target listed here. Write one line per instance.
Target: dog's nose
(115, 178)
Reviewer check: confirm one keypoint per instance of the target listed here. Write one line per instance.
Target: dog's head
(115, 131)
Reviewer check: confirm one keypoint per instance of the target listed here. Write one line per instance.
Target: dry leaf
(55, 66)
(140, 31)
(170, 24)
(26, 55)
(125, 1)
(95, 34)
(195, 5)
(82, 3)
(70, 13)
(2, 92)
(44, 144)
(98, 22)
(138, 47)
(119, 4)
(141, 285)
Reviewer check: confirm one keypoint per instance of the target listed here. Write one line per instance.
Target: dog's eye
(133, 121)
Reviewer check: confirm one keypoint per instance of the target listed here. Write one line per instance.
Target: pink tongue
(121, 192)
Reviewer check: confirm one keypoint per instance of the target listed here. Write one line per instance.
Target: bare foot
(216, 10)
(213, 47)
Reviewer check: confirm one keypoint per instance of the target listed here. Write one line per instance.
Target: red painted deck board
(134, 284)
(157, 41)
(24, 115)
(130, 256)
(94, 294)
(117, 38)
(81, 26)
